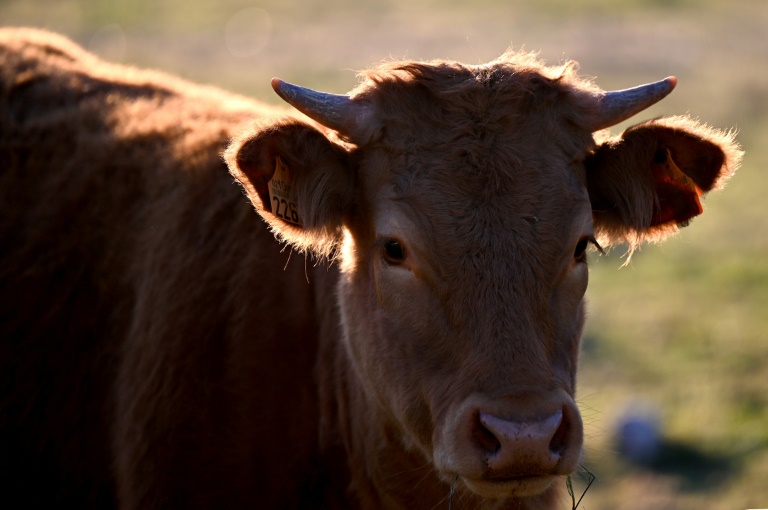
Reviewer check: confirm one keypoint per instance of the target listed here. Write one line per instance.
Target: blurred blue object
(638, 434)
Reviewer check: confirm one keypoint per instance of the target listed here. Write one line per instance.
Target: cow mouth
(517, 486)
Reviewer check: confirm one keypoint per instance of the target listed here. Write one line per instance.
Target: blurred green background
(680, 336)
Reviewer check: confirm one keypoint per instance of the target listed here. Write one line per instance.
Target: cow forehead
(428, 104)
(475, 193)
(478, 160)
(462, 136)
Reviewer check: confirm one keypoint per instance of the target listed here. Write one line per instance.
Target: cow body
(159, 349)
(98, 286)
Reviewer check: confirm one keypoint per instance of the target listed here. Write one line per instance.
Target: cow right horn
(619, 105)
(335, 111)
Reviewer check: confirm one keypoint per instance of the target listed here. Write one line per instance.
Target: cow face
(463, 295)
(461, 202)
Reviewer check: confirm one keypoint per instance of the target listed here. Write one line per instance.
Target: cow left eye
(394, 251)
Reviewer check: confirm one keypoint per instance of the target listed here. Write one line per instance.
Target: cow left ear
(647, 182)
(299, 181)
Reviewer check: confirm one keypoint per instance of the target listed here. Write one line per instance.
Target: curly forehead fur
(504, 91)
(475, 122)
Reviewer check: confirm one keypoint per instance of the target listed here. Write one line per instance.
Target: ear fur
(322, 184)
(645, 183)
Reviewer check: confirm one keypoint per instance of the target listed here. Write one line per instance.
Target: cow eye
(394, 252)
(581, 249)
(580, 253)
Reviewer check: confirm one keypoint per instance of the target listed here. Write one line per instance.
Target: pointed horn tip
(671, 81)
(287, 91)
(278, 85)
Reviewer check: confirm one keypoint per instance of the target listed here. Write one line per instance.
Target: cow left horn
(619, 105)
(335, 111)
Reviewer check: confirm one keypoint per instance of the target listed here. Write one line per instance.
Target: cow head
(461, 202)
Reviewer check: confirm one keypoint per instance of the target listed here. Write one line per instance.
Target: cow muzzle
(515, 446)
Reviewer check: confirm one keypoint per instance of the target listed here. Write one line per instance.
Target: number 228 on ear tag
(282, 194)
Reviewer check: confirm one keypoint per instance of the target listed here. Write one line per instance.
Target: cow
(397, 325)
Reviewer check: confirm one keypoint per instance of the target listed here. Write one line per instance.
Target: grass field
(682, 330)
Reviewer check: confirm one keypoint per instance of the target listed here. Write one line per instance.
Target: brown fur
(135, 280)
(158, 349)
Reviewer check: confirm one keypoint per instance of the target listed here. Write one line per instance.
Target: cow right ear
(299, 181)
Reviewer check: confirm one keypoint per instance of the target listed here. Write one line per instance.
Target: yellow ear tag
(282, 194)
(680, 191)
(669, 173)
(679, 178)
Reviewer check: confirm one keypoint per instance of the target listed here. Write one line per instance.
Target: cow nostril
(517, 444)
(559, 441)
(484, 438)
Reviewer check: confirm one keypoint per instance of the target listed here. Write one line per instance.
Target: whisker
(409, 470)
(449, 497)
(421, 480)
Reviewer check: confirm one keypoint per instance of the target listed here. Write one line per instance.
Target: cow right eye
(580, 253)
(581, 248)
(394, 252)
